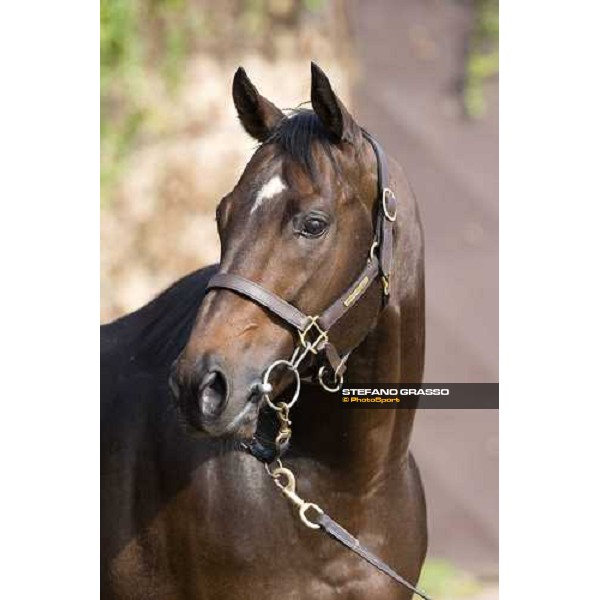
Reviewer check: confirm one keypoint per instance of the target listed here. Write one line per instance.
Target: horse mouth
(243, 425)
(240, 426)
(248, 420)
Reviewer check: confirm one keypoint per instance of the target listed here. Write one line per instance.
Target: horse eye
(313, 226)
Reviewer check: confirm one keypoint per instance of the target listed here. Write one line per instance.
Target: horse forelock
(298, 134)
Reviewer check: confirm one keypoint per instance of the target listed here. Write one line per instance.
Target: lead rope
(330, 526)
(288, 488)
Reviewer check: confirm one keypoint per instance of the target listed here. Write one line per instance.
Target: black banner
(426, 395)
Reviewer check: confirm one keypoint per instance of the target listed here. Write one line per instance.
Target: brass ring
(387, 193)
(325, 386)
(265, 381)
(374, 246)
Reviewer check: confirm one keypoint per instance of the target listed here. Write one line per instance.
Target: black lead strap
(339, 534)
(285, 480)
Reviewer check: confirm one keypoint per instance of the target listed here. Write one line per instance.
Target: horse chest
(230, 534)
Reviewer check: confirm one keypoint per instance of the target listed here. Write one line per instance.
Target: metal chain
(301, 351)
(306, 347)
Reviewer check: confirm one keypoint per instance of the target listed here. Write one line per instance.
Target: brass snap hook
(285, 430)
(288, 489)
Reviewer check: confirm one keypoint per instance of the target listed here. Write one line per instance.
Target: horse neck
(361, 444)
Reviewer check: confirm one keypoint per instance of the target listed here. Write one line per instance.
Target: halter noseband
(313, 330)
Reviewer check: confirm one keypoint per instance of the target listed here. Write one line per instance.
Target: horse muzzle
(211, 401)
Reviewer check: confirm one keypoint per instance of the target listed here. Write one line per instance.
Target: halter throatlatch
(313, 330)
(313, 339)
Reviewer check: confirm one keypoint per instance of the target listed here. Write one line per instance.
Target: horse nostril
(212, 394)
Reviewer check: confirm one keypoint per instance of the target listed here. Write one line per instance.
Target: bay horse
(187, 514)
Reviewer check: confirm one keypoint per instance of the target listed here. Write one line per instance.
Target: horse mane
(156, 333)
(297, 133)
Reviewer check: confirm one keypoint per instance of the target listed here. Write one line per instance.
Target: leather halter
(378, 264)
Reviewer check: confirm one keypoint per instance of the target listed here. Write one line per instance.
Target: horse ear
(333, 114)
(258, 116)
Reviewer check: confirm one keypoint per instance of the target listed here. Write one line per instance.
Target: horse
(187, 512)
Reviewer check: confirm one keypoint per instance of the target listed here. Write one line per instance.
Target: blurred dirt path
(411, 56)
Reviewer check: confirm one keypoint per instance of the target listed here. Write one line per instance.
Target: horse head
(300, 223)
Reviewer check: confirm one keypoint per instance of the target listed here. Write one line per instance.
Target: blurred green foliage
(144, 43)
(120, 49)
(483, 56)
(440, 579)
(143, 48)
(138, 38)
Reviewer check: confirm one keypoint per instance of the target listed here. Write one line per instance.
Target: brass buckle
(386, 285)
(321, 335)
(387, 193)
